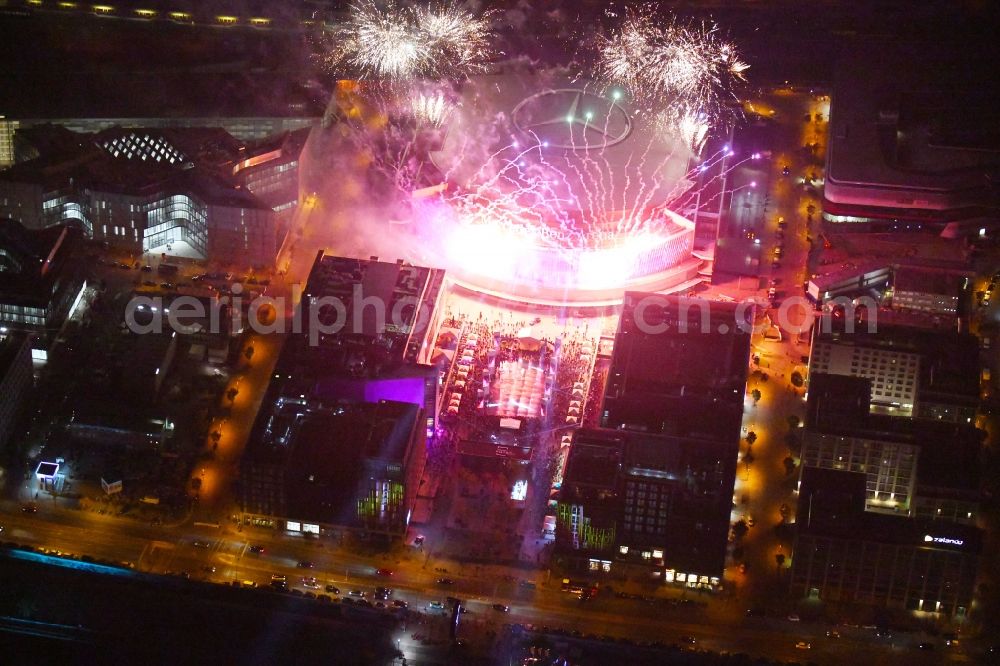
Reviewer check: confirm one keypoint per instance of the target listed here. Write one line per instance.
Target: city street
(163, 549)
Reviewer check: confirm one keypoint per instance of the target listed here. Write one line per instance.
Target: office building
(676, 359)
(15, 380)
(317, 468)
(911, 146)
(660, 503)
(40, 279)
(911, 465)
(926, 373)
(185, 192)
(930, 290)
(653, 487)
(355, 364)
(844, 553)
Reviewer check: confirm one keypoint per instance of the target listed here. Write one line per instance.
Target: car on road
(310, 584)
(256, 549)
(926, 646)
(786, 170)
(382, 593)
(305, 564)
(436, 605)
(743, 567)
(198, 543)
(399, 603)
(29, 508)
(802, 645)
(208, 569)
(501, 608)
(793, 618)
(833, 633)
(781, 223)
(332, 589)
(445, 581)
(419, 540)
(147, 269)
(383, 572)
(690, 640)
(356, 593)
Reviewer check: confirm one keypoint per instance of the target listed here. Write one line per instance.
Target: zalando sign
(936, 539)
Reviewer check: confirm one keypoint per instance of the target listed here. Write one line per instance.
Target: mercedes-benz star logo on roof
(572, 119)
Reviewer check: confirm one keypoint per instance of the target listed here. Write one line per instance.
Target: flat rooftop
(901, 118)
(697, 477)
(928, 280)
(679, 367)
(949, 361)
(33, 263)
(832, 504)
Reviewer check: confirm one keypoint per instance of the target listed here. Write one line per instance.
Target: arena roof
(599, 155)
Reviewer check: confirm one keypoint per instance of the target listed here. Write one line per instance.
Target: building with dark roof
(365, 329)
(844, 553)
(928, 289)
(926, 373)
(15, 380)
(654, 501)
(40, 279)
(910, 144)
(315, 467)
(679, 367)
(653, 487)
(181, 191)
(913, 466)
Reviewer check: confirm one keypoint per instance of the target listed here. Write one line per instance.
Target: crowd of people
(576, 359)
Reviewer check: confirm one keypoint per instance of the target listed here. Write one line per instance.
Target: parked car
(259, 550)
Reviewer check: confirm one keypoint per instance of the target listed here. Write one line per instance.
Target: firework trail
(686, 74)
(393, 42)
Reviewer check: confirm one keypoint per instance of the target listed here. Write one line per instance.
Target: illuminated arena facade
(553, 190)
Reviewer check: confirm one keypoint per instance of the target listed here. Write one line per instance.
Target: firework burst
(684, 72)
(396, 43)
